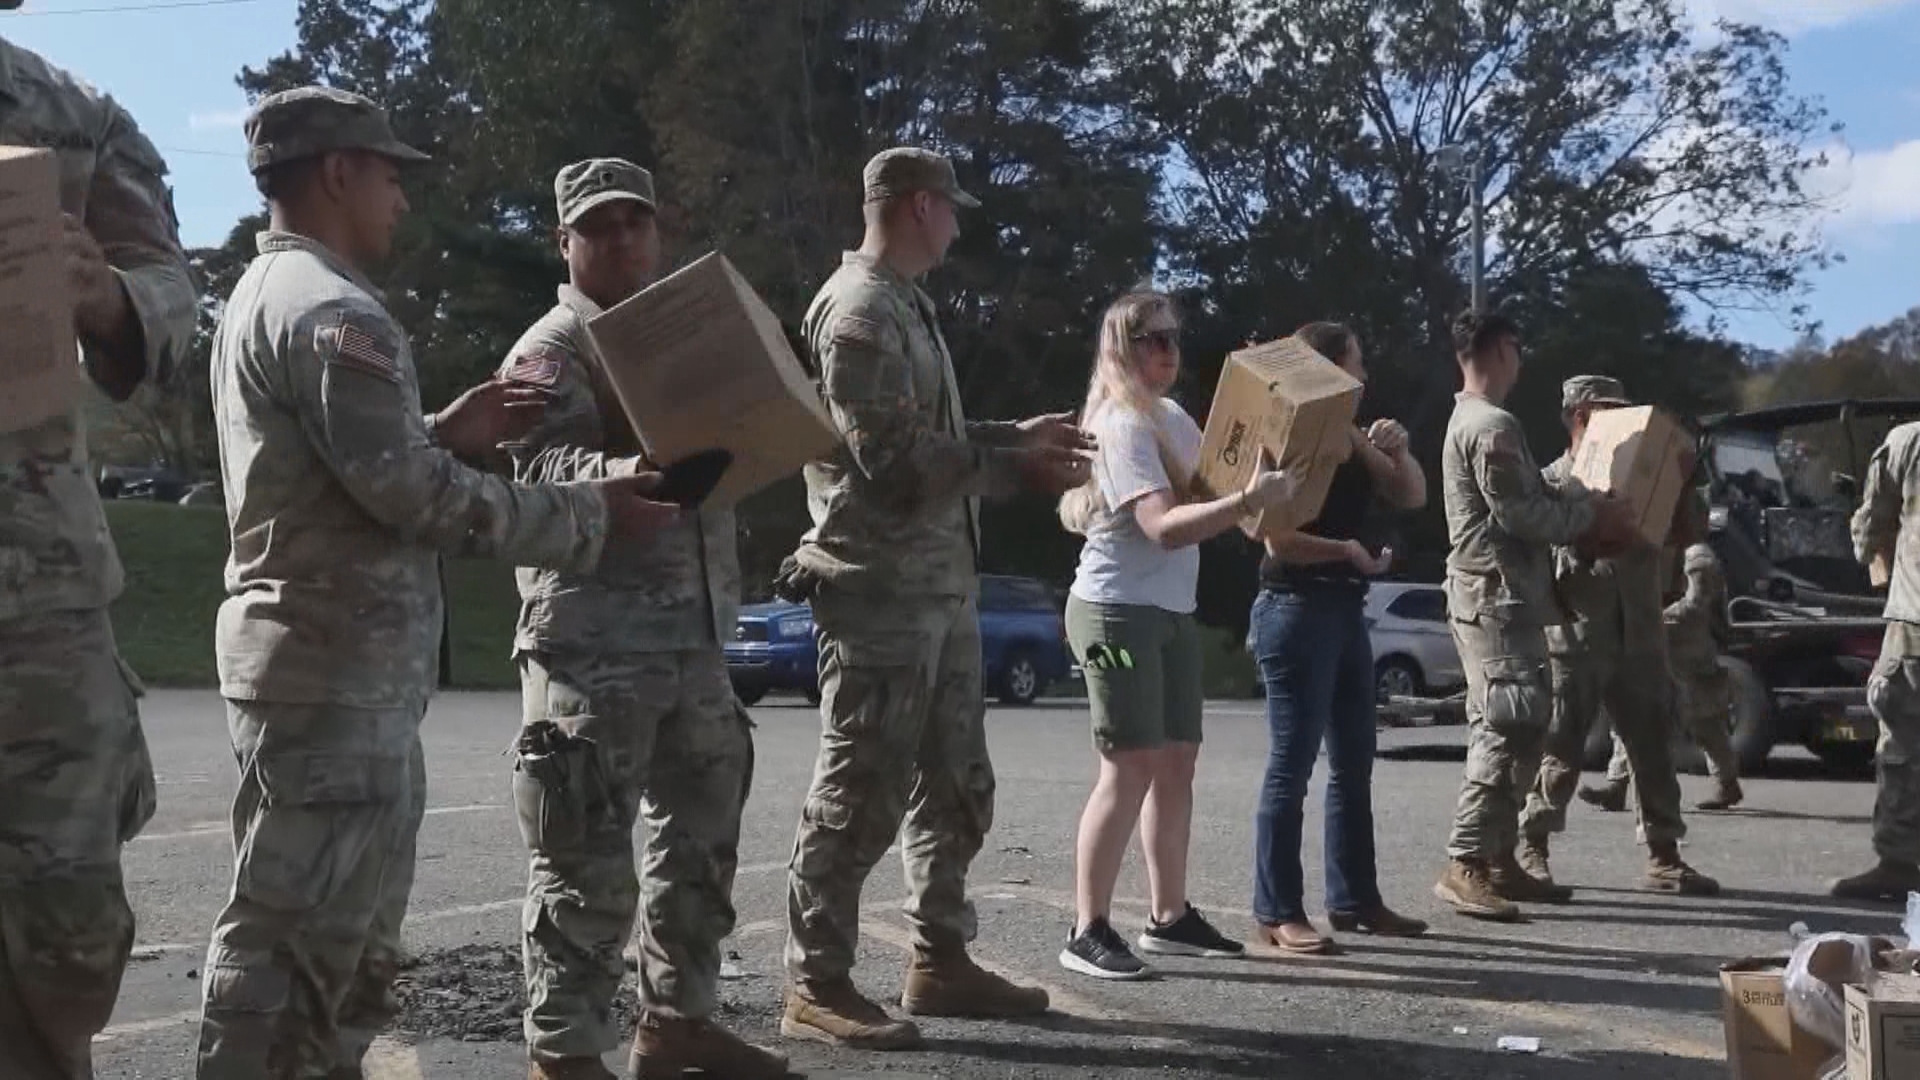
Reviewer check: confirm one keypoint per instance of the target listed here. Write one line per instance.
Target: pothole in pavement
(477, 993)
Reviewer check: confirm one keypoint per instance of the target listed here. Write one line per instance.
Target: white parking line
(387, 1060)
(221, 828)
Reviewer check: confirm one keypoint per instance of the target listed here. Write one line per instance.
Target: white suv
(1413, 651)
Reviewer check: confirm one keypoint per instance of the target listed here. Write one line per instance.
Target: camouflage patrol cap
(584, 185)
(313, 120)
(1592, 390)
(905, 170)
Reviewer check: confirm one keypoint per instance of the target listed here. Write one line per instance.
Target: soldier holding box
(1611, 649)
(74, 767)
(629, 711)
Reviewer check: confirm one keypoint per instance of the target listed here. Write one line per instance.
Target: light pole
(1464, 158)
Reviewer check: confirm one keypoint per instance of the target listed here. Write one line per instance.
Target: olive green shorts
(1143, 671)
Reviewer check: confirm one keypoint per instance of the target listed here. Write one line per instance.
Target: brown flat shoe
(1295, 937)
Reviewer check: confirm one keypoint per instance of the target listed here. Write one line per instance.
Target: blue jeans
(1316, 662)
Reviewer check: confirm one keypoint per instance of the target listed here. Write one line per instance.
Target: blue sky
(1855, 55)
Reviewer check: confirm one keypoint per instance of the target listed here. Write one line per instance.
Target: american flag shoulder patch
(351, 346)
(536, 367)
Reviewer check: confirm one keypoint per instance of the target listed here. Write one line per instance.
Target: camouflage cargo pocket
(560, 789)
(1893, 693)
(1512, 689)
(320, 817)
(139, 793)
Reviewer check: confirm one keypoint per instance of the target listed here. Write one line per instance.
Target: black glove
(795, 583)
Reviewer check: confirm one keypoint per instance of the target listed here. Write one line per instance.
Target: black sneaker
(1099, 952)
(1189, 935)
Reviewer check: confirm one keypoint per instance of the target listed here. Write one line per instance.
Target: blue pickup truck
(1023, 644)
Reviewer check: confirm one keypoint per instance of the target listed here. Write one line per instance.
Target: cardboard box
(1883, 1028)
(1763, 1043)
(40, 373)
(1294, 403)
(698, 360)
(1637, 453)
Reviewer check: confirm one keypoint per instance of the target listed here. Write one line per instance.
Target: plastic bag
(1820, 966)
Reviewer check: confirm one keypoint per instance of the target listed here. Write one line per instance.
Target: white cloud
(1872, 188)
(217, 121)
(1791, 16)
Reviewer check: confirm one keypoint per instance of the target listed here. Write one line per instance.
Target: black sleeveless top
(1344, 516)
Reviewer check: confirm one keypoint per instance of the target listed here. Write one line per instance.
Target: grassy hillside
(175, 556)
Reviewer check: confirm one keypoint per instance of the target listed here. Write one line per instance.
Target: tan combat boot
(949, 983)
(1610, 796)
(1534, 859)
(666, 1046)
(573, 1068)
(1667, 872)
(1890, 881)
(1469, 888)
(1516, 883)
(1726, 795)
(837, 1014)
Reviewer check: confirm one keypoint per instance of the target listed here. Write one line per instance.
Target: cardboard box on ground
(39, 355)
(1763, 1042)
(1290, 401)
(1883, 1028)
(1636, 453)
(698, 361)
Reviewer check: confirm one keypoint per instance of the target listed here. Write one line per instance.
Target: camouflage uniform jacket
(1888, 521)
(895, 508)
(679, 589)
(1502, 519)
(338, 503)
(55, 551)
(1611, 605)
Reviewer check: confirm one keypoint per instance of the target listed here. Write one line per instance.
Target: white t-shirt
(1119, 564)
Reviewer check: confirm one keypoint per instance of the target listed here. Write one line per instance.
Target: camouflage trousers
(299, 976)
(76, 783)
(1507, 719)
(903, 754)
(1638, 692)
(611, 739)
(1704, 711)
(1893, 691)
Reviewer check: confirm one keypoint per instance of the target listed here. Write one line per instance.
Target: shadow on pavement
(1217, 1051)
(1485, 981)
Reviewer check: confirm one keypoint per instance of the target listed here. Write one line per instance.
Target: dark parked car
(1023, 644)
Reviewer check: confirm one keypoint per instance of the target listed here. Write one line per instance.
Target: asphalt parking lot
(1619, 983)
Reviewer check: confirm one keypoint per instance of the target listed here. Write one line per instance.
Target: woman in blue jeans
(1310, 637)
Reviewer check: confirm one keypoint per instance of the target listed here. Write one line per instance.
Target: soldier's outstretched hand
(630, 513)
(1052, 470)
(1055, 430)
(492, 413)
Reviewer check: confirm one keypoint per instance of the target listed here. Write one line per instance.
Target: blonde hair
(1116, 383)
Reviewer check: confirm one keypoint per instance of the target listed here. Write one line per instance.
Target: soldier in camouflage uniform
(341, 496)
(1502, 521)
(890, 567)
(629, 711)
(74, 769)
(1697, 633)
(1887, 526)
(1611, 649)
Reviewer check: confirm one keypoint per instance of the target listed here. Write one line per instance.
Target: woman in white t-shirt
(1130, 620)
